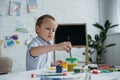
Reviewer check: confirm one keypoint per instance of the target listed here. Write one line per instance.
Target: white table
(27, 76)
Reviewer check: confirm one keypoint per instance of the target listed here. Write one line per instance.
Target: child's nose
(51, 31)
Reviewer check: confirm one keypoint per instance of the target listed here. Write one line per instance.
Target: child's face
(47, 29)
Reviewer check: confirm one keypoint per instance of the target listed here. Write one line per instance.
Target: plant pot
(99, 59)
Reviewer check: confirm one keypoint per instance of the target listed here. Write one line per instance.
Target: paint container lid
(71, 59)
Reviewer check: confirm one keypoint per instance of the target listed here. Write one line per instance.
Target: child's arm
(36, 51)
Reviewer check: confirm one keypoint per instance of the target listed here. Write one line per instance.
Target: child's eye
(48, 28)
(53, 30)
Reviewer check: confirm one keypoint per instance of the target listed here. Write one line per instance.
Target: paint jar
(71, 62)
(59, 69)
(76, 69)
(64, 66)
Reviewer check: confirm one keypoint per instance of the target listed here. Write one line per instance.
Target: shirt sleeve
(32, 44)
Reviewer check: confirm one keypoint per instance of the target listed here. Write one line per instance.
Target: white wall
(65, 11)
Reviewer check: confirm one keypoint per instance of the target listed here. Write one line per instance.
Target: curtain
(110, 9)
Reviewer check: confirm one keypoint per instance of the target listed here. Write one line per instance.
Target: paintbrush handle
(70, 53)
(70, 49)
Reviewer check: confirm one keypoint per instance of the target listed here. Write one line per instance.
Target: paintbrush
(69, 49)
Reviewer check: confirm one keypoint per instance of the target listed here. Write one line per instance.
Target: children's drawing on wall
(21, 27)
(15, 8)
(32, 5)
(11, 41)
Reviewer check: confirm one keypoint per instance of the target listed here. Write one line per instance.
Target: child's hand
(58, 62)
(64, 46)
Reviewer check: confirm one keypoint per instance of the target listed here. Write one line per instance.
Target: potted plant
(97, 43)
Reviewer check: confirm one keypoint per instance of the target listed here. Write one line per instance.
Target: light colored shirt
(38, 62)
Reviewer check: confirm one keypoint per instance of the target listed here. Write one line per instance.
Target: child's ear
(37, 29)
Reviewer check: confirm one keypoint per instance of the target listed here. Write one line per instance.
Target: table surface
(82, 76)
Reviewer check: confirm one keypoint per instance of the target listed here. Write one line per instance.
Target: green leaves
(112, 26)
(97, 43)
(110, 45)
(97, 25)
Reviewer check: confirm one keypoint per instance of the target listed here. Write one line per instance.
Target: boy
(38, 53)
